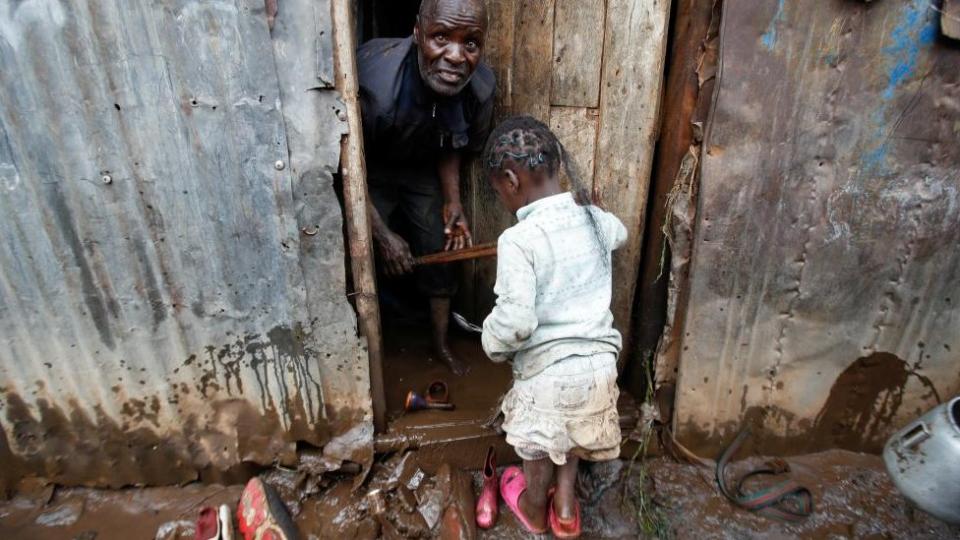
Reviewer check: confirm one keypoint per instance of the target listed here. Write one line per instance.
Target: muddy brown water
(854, 499)
(409, 364)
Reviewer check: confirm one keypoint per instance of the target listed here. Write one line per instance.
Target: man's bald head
(476, 8)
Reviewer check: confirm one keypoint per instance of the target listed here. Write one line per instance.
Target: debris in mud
(459, 519)
(378, 508)
(429, 501)
(786, 500)
(594, 479)
(313, 462)
(855, 498)
(173, 530)
(62, 515)
(416, 402)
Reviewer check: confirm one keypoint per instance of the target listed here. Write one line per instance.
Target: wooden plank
(499, 46)
(465, 254)
(354, 174)
(532, 70)
(576, 128)
(527, 92)
(657, 324)
(950, 18)
(633, 58)
(487, 218)
(577, 49)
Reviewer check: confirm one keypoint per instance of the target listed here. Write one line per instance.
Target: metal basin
(924, 461)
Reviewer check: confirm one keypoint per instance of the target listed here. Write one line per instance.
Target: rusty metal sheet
(161, 312)
(824, 284)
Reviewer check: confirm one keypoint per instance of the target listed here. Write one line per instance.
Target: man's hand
(455, 227)
(394, 254)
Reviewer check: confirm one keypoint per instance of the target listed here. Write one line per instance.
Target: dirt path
(854, 499)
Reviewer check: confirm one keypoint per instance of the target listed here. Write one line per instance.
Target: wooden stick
(475, 252)
(355, 203)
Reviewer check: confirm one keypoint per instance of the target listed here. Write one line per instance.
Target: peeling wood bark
(695, 25)
(354, 173)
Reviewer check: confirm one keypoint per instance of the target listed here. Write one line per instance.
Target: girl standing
(552, 320)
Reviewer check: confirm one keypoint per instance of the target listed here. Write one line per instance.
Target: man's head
(449, 36)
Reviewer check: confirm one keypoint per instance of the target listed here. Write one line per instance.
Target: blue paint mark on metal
(769, 38)
(915, 32)
(917, 29)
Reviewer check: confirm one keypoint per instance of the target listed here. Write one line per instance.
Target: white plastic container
(923, 459)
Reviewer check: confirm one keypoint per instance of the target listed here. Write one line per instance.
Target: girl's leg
(565, 498)
(533, 502)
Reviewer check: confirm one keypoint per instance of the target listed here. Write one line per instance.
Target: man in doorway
(426, 101)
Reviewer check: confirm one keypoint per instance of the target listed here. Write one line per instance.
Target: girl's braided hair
(529, 143)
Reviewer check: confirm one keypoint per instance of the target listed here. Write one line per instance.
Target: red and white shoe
(262, 515)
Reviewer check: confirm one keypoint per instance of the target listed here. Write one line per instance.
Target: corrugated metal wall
(824, 284)
(162, 311)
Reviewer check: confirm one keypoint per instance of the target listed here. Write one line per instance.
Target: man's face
(450, 42)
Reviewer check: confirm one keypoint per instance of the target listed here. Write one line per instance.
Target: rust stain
(858, 415)
(72, 448)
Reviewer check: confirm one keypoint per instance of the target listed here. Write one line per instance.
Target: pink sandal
(563, 528)
(512, 485)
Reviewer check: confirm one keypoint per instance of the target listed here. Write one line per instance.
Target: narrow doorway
(409, 363)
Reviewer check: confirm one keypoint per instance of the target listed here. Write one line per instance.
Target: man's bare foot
(445, 355)
(440, 321)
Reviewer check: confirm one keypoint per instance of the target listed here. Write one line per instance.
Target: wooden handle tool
(475, 252)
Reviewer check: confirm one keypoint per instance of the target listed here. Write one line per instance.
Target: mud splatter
(72, 447)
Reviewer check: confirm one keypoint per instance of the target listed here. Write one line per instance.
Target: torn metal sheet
(160, 313)
(824, 282)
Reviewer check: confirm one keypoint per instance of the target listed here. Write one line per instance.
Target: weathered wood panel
(154, 289)
(950, 18)
(498, 54)
(687, 93)
(532, 51)
(633, 57)
(577, 50)
(825, 280)
(488, 217)
(577, 130)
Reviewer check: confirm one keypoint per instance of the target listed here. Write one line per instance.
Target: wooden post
(354, 173)
(634, 50)
(693, 20)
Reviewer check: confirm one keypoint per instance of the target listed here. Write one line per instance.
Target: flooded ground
(853, 496)
(409, 365)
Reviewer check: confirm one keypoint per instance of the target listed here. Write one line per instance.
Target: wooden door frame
(356, 204)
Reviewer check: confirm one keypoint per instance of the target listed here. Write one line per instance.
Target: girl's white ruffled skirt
(568, 408)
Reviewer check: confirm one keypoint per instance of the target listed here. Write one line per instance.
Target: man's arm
(455, 225)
